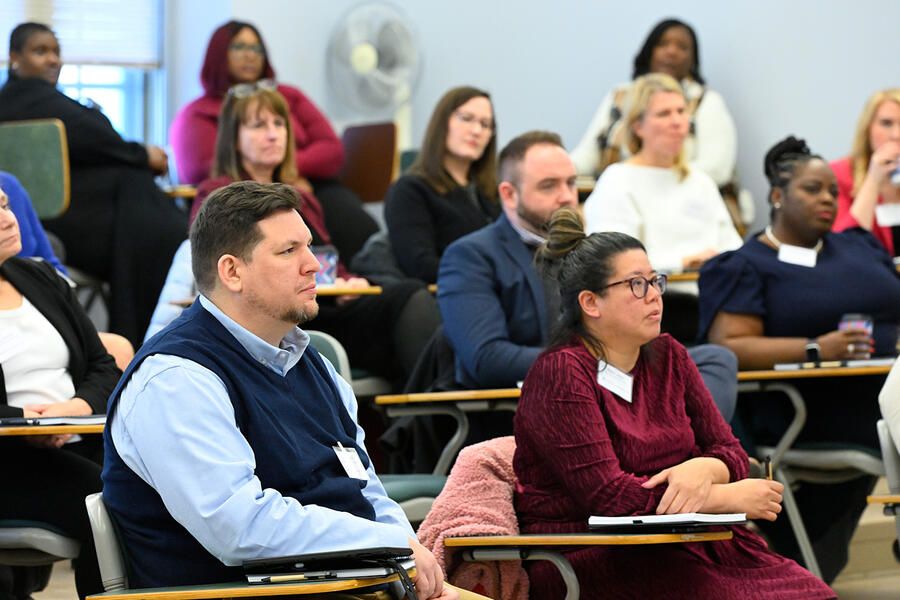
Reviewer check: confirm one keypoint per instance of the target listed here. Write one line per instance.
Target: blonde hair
(235, 111)
(862, 150)
(642, 90)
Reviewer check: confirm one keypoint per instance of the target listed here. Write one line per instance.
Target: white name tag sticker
(350, 461)
(10, 345)
(614, 380)
(696, 209)
(888, 214)
(797, 255)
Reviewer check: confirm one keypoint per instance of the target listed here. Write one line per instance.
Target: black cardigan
(91, 138)
(94, 372)
(422, 223)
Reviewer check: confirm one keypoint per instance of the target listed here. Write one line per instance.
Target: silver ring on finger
(851, 348)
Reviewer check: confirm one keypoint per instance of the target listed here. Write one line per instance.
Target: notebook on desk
(679, 523)
(75, 420)
(868, 362)
(328, 566)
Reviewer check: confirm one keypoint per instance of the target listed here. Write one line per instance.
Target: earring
(14, 66)
(777, 205)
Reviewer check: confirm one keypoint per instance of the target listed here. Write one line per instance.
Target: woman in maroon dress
(614, 419)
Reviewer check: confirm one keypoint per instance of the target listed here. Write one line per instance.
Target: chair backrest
(890, 456)
(407, 158)
(30, 543)
(370, 153)
(109, 552)
(37, 153)
(329, 347)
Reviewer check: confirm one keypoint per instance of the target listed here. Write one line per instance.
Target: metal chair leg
(796, 521)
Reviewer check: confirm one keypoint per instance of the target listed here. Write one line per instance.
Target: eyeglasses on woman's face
(243, 90)
(470, 119)
(640, 284)
(242, 47)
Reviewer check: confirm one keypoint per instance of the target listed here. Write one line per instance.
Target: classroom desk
(49, 429)
(242, 590)
(322, 290)
(772, 380)
(543, 547)
(455, 404)
(683, 276)
(780, 381)
(180, 191)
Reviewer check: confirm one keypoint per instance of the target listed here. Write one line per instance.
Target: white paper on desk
(76, 420)
(888, 214)
(679, 519)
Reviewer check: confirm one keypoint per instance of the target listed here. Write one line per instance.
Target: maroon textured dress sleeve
(560, 418)
(712, 434)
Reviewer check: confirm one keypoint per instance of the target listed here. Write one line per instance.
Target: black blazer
(94, 372)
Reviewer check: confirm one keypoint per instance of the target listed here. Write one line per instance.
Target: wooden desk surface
(49, 429)
(454, 396)
(322, 290)
(685, 276)
(242, 590)
(586, 539)
(816, 372)
(181, 191)
(886, 499)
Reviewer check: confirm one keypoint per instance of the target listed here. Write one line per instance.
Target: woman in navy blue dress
(779, 298)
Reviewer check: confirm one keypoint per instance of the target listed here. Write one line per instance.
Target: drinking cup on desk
(857, 321)
(328, 258)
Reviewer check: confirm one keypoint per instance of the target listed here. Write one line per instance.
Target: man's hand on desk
(353, 282)
(429, 575)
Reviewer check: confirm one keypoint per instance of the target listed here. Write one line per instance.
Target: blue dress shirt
(175, 428)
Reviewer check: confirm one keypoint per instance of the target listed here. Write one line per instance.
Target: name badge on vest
(350, 461)
(614, 380)
(797, 255)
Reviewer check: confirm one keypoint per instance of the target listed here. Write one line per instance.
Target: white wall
(803, 67)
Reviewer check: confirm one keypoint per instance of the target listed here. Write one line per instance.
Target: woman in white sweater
(711, 145)
(674, 210)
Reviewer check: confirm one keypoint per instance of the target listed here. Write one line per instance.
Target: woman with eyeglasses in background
(451, 188)
(780, 298)
(383, 333)
(237, 54)
(119, 226)
(614, 419)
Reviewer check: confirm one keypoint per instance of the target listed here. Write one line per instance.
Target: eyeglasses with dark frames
(240, 47)
(640, 284)
(243, 90)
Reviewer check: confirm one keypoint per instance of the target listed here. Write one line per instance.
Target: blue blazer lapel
(515, 248)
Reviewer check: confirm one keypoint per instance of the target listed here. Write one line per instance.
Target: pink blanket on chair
(478, 500)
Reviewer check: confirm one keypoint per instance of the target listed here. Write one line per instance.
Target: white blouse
(673, 218)
(35, 358)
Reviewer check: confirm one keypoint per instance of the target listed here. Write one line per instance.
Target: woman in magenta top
(865, 190)
(237, 54)
(614, 419)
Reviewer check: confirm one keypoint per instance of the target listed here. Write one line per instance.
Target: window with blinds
(124, 33)
(111, 50)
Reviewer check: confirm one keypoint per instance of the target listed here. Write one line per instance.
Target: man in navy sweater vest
(224, 434)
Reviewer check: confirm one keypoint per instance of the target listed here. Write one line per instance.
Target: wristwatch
(813, 350)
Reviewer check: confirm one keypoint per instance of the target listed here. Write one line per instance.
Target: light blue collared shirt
(175, 428)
